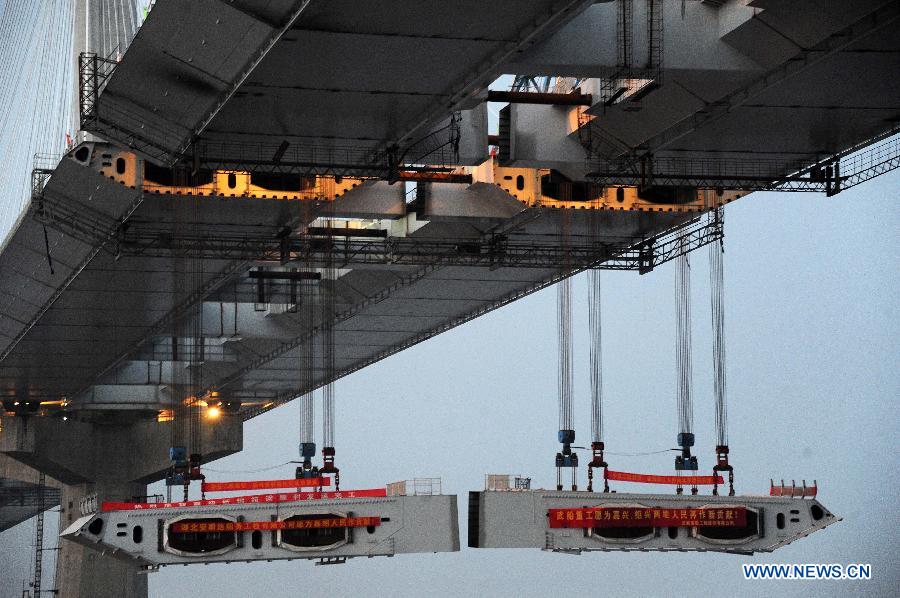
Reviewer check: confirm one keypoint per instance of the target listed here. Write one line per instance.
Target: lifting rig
(566, 435)
(717, 303)
(609, 520)
(596, 357)
(685, 462)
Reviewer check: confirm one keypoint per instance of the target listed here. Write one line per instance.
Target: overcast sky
(812, 329)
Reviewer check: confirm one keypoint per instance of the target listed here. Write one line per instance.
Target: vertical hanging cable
(717, 310)
(717, 300)
(564, 342)
(566, 436)
(328, 314)
(596, 355)
(307, 311)
(595, 329)
(685, 461)
(307, 417)
(328, 352)
(683, 341)
(198, 346)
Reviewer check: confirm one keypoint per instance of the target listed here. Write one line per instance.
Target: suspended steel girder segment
(258, 531)
(575, 522)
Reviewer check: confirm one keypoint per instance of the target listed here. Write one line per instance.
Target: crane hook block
(178, 454)
(308, 449)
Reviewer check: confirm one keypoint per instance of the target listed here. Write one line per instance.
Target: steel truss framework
(830, 175)
(22, 494)
(133, 237)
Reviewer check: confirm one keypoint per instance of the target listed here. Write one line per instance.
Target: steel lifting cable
(717, 299)
(566, 435)
(717, 310)
(685, 461)
(307, 417)
(307, 403)
(564, 343)
(683, 342)
(596, 356)
(307, 311)
(198, 345)
(328, 351)
(328, 297)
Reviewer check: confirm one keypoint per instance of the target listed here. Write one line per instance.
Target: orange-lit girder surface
(534, 187)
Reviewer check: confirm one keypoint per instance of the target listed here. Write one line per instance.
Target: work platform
(332, 528)
(92, 313)
(575, 522)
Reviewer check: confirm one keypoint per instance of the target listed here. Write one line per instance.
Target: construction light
(213, 413)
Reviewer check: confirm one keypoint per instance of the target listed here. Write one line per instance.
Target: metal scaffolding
(829, 175)
(313, 248)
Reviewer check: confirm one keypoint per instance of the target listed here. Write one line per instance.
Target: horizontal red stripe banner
(242, 500)
(644, 478)
(265, 484)
(647, 517)
(189, 527)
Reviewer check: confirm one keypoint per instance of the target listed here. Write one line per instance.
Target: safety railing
(506, 482)
(415, 487)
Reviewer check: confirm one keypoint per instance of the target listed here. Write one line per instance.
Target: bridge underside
(94, 316)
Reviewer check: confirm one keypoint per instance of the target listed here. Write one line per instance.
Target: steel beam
(548, 99)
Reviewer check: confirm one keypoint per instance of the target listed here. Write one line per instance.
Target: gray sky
(812, 329)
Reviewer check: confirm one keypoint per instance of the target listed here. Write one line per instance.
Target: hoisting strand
(685, 461)
(566, 435)
(596, 358)
(328, 313)
(717, 305)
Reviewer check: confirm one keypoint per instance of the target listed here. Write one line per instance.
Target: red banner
(648, 517)
(265, 484)
(189, 527)
(644, 478)
(242, 500)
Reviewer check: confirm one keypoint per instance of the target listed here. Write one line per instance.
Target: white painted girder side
(514, 519)
(410, 524)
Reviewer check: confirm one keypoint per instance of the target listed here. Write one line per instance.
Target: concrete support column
(113, 461)
(81, 571)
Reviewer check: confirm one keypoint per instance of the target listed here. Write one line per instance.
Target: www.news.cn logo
(808, 571)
